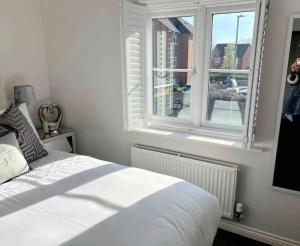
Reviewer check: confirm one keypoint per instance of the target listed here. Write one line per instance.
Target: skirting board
(256, 234)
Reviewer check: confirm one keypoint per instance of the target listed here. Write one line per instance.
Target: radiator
(216, 177)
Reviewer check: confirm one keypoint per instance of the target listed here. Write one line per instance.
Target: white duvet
(77, 200)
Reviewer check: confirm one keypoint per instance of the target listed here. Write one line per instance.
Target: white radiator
(215, 177)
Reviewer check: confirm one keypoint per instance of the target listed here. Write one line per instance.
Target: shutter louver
(260, 46)
(134, 29)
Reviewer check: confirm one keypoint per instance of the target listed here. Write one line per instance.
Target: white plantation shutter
(260, 46)
(134, 31)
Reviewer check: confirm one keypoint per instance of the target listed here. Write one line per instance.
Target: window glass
(172, 64)
(171, 94)
(230, 59)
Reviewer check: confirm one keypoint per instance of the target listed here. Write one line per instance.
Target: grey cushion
(23, 108)
(12, 161)
(13, 120)
(3, 131)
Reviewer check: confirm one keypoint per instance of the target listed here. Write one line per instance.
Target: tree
(228, 62)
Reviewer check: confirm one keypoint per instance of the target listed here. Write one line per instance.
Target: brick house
(243, 56)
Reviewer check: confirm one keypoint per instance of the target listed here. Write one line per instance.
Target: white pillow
(12, 161)
(2, 111)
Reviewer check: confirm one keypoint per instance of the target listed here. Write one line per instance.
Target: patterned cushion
(23, 108)
(3, 131)
(13, 120)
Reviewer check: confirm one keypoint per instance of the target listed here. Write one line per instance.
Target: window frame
(197, 123)
(151, 118)
(208, 43)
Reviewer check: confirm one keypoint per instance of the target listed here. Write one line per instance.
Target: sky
(224, 27)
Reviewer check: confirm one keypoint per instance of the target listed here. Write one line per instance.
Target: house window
(172, 64)
(173, 38)
(193, 69)
(173, 61)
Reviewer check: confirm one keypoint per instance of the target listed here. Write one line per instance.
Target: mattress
(72, 199)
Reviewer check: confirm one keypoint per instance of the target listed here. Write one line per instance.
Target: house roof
(241, 49)
(168, 24)
(177, 25)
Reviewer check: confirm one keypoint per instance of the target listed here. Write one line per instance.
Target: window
(228, 74)
(173, 38)
(172, 66)
(195, 70)
(222, 105)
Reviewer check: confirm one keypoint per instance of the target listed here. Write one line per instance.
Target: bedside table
(65, 141)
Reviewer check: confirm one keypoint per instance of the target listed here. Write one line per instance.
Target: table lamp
(24, 94)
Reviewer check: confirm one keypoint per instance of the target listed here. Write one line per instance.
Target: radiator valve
(238, 211)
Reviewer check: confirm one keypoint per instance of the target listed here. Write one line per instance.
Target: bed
(70, 199)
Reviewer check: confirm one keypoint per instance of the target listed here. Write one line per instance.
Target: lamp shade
(24, 94)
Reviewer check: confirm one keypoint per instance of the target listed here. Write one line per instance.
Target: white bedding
(77, 200)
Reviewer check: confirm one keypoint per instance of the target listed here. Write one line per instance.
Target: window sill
(199, 138)
(192, 137)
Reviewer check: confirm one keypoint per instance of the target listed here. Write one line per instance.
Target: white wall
(84, 62)
(22, 49)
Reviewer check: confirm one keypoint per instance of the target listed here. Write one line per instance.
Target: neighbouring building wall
(84, 62)
(245, 61)
(22, 50)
